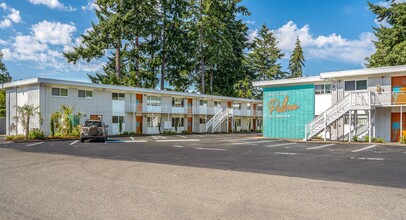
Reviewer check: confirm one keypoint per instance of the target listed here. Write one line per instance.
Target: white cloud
(332, 47)
(53, 33)
(11, 16)
(53, 4)
(252, 34)
(44, 48)
(91, 5)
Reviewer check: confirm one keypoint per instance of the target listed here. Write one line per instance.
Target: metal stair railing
(335, 112)
(209, 124)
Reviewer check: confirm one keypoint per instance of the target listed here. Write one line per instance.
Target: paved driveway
(230, 176)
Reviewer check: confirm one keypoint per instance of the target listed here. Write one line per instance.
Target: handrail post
(325, 126)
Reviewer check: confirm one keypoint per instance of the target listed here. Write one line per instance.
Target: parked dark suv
(93, 130)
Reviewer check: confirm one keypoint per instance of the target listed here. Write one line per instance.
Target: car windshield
(91, 123)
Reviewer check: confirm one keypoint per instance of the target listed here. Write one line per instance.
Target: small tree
(24, 115)
(52, 127)
(66, 111)
(296, 62)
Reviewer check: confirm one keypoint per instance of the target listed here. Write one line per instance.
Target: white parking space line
(73, 142)
(177, 146)
(29, 145)
(182, 140)
(285, 153)
(131, 138)
(277, 145)
(181, 136)
(200, 136)
(154, 137)
(362, 149)
(126, 141)
(318, 147)
(253, 142)
(368, 158)
(214, 149)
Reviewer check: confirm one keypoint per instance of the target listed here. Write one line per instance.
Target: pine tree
(296, 62)
(264, 56)
(4, 77)
(391, 43)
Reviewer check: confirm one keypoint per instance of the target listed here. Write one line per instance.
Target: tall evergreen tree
(391, 43)
(296, 62)
(4, 77)
(265, 55)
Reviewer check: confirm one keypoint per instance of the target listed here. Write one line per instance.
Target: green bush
(366, 138)
(15, 137)
(184, 132)
(131, 133)
(378, 140)
(58, 135)
(76, 131)
(403, 140)
(355, 138)
(125, 132)
(36, 134)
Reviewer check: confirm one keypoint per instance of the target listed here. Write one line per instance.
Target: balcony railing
(169, 109)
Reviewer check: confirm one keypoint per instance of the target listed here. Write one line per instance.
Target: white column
(350, 122)
(325, 126)
(369, 126)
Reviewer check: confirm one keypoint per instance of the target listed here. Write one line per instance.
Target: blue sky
(335, 35)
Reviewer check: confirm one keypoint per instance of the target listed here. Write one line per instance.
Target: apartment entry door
(138, 124)
(395, 126)
(399, 90)
(189, 125)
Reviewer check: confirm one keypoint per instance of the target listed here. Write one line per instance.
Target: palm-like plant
(24, 115)
(66, 112)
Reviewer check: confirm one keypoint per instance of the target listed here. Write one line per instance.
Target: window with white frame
(118, 119)
(355, 85)
(153, 100)
(322, 89)
(153, 122)
(177, 122)
(60, 92)
(236, 106)
(202, 120)
(217, 103)
(248, 106)
(118, 96)
(86, 94)
(177, 102)
(203, 102)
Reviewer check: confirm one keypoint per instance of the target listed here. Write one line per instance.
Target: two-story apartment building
(140, 110)
(337, 105)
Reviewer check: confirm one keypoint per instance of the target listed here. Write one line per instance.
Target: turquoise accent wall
(288, 124)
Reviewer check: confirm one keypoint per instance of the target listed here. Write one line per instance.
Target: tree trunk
(201, 48)
(163, 62)
(118, 57)
(27, 129)
(137, 61)
(211, 79)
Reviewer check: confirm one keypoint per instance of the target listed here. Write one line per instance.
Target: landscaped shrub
(403, 140)
(76, 131)
(131, 133)
(366, 138)
(355, 138)
(36, 134)
(125, 133)
(58, 135)
(15, 137)
(52, 126)
(378, 140)
(184, 132)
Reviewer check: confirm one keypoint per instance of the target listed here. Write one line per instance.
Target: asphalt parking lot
(343, 169)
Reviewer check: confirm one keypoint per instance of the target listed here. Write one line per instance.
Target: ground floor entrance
(395, 126)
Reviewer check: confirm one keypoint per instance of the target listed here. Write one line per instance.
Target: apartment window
(355, 85)
(322, 89)
(118, 119)
(237, 106)
(178, 122)
(87, 94)
(203, 102)
(60, 92)
(202, 120)
(217, 103)
(248, 106)
(118, 96)
(153, 122)
(237, 122)
(153, 100)
(177, 102)
(259, 107)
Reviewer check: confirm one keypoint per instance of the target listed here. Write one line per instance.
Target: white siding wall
(322, 103)
(383, 123)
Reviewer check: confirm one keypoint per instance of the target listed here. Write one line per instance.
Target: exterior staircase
(352, 101)
(215, 122)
